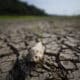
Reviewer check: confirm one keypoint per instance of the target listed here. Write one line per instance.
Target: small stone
(33, 78)
(55, 64)
(53, 58)
(2, 44)
(15, 38)
(63, 46)
(40, 70)
(11, 57)
(46, 35)
(48, 39)
(19, 46)
(5, 51)
(47, 68)
(34, 74)
(68, 54)
(48, 59)
(71, 41)
(78, 65)
(52, 48)
(6, 66)
(76, 74)
(68, 65)
(2, 36)
(78, 47)
(3, 59)
(30, 43)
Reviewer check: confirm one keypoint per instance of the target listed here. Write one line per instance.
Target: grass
(49, 18)
(20, 17)
(32, 17)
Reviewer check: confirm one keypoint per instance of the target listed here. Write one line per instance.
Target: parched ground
(61, 39)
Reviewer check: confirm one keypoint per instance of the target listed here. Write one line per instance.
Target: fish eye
(36, 56)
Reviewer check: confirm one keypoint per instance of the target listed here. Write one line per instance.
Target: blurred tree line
(16, 7)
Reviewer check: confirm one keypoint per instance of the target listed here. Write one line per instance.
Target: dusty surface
(62, 55)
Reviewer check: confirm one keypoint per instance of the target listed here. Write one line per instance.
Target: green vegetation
(21, 17)
(35, 16)
(50, 18)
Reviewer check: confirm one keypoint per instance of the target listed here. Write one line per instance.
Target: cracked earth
(61, 58)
